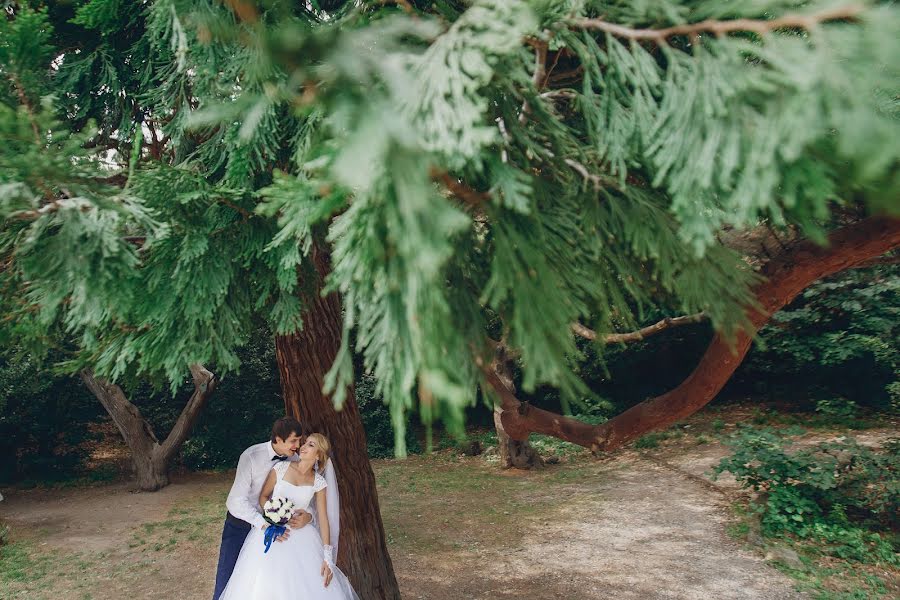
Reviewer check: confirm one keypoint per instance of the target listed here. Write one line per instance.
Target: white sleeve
(238, 501)
(333, 502)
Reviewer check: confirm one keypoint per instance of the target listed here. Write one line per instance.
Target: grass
(544, 444)
(100, 475)
(651, 440)
(824, 577)
(30, 570)
(837, 582)
(441, 504)
(815, 420)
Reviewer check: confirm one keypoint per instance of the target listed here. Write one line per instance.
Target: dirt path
(87, 519)
(630, 527)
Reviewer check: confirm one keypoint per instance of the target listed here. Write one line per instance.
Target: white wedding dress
(290, 570)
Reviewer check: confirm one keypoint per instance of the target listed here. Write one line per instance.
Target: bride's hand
(281, 537)
(326, 573)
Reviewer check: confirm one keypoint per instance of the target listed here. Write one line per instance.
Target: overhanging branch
(640, 334)
(787, 275)
(720, 28)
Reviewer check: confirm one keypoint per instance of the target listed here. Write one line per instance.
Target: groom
(243, 499)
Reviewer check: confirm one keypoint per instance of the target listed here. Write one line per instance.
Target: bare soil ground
(638, 524)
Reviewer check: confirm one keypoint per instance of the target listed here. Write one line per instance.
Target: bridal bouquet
(277, 512)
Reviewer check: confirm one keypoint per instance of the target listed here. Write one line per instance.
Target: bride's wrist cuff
(328, 554)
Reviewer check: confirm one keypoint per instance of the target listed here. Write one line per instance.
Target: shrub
(838, 338)
(43, 421)
(651, 440)
(837, 408)
(839, 493)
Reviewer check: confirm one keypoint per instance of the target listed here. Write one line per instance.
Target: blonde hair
(322, 448)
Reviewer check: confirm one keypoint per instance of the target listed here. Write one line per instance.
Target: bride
(301, 566)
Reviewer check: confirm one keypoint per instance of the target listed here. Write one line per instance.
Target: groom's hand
(300, 519)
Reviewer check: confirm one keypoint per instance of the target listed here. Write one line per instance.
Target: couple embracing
(300, 563)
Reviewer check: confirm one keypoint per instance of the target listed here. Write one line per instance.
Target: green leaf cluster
(169, 169)
(839, 492)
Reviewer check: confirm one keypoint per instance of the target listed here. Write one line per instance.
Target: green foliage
(651, 440)
(651, 99)
(46, 418)
(838, 493)
(24, 52)
(446, 182)
(43, 422)
(837, 408)
(837, 330)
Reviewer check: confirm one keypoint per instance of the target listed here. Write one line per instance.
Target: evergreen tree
(454, 176)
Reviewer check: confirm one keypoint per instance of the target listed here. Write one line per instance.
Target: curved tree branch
(719, 28)
(643, 332)
(205, 383)
(787, 275)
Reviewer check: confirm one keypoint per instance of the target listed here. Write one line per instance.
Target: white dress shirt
(252, 470)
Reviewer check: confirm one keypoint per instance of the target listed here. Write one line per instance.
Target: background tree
(532, 164)
(152, 459)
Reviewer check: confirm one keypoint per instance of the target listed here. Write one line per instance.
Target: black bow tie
(278, 457)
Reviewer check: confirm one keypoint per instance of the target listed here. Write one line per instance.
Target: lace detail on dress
(280, 469)
(319, 483)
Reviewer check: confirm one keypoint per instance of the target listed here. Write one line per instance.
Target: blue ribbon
(272, 532)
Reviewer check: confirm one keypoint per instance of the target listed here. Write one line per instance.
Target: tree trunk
(303, 360)
(518, 454)
(786, 276)
(150, 458)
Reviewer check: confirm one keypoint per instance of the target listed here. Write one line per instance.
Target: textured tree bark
(786, 276)
(151, 458)
(518, 454)
(303, 360)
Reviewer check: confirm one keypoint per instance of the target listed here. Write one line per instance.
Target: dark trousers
(233, 535)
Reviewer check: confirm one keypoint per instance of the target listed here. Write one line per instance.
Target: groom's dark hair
(284, 427)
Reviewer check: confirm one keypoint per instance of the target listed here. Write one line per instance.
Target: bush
(43, 421)
(839, 493)
(651, 440)
(837, 408)
(838, 338)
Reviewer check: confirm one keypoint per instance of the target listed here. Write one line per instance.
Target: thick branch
(879, 261)
(513, 452)
(135, 429)
(520, 419)
(151, 459)
(719, 28)
(640, 334)
(540, 70)
(205, 383)
(787, 275)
